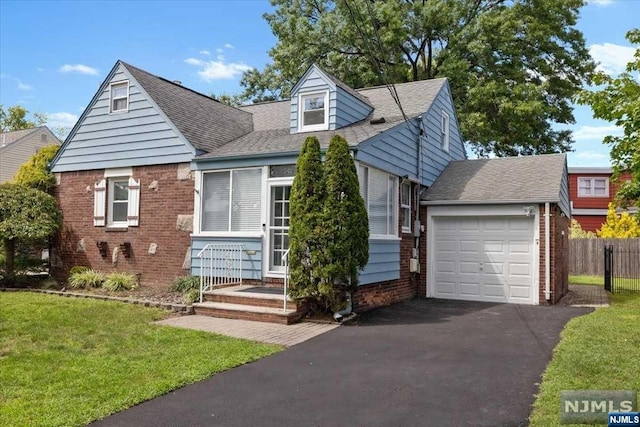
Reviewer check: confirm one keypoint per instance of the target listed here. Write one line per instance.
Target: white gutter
(547, 251)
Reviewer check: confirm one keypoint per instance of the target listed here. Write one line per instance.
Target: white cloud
(601, 3)
(598, 133)
(218, 70)
(40, 69)
(61, 119)
(23, 86)
(205, 52)
(194, 61)
(220, 57)
(612, 58)
(228, 46)
(219, 50)
(78, 68)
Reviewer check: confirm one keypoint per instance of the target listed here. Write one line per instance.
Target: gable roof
(272, 126)
(16, 136)
(332, 79)
(7, 138)
(206, 123)
(528, 179)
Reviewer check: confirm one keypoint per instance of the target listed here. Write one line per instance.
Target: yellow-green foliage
(624, 226)
(34, 172)
(576, 232)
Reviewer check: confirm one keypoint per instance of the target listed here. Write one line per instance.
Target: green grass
(620, 282)
(596, 352)
(67, 361)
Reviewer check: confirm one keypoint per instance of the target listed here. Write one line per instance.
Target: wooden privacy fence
(586, 256)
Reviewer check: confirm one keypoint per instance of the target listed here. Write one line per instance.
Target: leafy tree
(15, 118)
(624, 226)
(576, 231)
(305, 231)
(34, 172)
(618, 101)
(513, 66)
(231, 99)
(27, 215)
(345, 222)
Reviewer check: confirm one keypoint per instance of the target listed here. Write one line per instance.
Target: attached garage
(488, 233)
(484, 258)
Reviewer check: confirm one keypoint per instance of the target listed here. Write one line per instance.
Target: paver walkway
(286, 335)
(586, 296)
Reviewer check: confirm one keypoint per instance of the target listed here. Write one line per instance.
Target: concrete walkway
(286, 335)
(586, 296)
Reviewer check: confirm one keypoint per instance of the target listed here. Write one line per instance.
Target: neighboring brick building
(591, 191)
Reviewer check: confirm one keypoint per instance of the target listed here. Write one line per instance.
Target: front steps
(237, 303)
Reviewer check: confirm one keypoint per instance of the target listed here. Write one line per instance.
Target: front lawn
(621, 283)
(67, 361)
(600, 351)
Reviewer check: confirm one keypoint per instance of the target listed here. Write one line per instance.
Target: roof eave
(486, 202)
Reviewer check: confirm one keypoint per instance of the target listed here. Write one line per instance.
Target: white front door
(278, 228)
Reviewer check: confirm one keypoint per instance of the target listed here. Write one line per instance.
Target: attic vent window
(119, 97)
(314, 114)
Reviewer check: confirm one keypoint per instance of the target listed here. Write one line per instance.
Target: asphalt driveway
(421, 362)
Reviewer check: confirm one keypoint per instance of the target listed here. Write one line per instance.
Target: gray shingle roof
(509, 179)
(206, 123)
(271, 120)
(7, 138)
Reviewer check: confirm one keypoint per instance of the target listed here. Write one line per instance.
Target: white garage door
(484, 259)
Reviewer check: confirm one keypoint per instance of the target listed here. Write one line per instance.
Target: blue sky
(54, 55)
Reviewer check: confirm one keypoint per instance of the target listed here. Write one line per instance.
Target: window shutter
(99, 203)
(134, 202)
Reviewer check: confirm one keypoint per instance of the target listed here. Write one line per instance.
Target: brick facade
(160, 205)
(559, 254)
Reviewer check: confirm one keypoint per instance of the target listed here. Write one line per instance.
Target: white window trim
(110, 222)
(393, 235)
(200, 214)
(445, 126)
(111, 85)
(592, 180)
(311, 128)
(403, 207)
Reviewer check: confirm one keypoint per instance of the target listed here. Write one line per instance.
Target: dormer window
(119, 97)
(314, 111)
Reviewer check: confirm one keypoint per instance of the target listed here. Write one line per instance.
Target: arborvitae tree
(34, 172)
(345, 222)
(306, 204)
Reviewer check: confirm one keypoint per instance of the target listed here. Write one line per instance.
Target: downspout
(547, 252)
(338, 316)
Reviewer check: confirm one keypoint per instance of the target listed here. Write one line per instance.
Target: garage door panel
(446, 288)
(493, 290)
(469, 289)
(492, 268)
(494, 247)
(485, 259)
(469, 246)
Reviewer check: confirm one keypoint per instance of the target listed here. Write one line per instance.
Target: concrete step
(239, 295)
(247, 312)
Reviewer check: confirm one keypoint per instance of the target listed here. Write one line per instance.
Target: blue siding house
(227, 173)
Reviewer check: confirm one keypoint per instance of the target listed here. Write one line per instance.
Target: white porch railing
(220, 264)
(285, 264)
